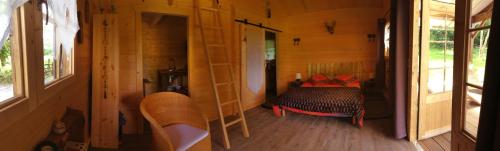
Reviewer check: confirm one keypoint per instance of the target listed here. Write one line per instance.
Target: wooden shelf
(74, 121)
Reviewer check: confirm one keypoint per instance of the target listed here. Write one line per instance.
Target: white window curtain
(6, 9)
(66, 21)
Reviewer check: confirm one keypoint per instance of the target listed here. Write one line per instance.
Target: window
(57, 63)
(387, 38)
(11, 85)
(478, 34)
(31, 45)
(440, 65)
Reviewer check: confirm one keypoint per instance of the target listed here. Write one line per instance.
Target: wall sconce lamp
(330, 27)
(296, 41)
(372, 37)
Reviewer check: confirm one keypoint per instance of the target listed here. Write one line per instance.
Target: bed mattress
(334, 101)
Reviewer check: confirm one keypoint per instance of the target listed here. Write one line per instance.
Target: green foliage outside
(5, 63)
(5, 52)
(437, 46)
(439, 39)
(6, 66)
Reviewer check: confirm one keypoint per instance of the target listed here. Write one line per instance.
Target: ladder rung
(223, 83)
(209, 9)
(216, 45)
(221, 64)
(228, 102)
(233, 122)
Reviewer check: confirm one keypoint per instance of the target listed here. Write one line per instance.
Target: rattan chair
(176, 122)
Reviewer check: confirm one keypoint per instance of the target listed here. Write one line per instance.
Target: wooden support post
(105, 81)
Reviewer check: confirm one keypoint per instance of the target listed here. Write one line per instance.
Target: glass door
(436, 67)
(472, 47)
(478, 35)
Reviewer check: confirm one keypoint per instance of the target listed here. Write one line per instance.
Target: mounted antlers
(330, 27)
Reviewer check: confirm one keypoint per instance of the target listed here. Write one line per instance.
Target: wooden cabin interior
(140, 75)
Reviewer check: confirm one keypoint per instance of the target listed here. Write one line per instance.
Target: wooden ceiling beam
(484, 14)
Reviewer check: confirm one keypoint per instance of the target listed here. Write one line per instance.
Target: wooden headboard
(359, 69)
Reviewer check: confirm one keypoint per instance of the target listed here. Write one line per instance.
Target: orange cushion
(355, 84)
(319, 78)
(343, 77)
(307, 84)
(327, 85)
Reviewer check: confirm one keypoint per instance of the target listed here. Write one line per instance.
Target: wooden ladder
(215, 11)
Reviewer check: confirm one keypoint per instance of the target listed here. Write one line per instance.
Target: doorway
(436, 68)
(270, 70)
(164, 53)
(448, 56)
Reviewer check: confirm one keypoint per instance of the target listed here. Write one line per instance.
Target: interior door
(474, 18)
(253, 65)
(436, 68)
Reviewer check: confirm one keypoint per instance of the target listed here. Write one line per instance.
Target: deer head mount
(330, 27)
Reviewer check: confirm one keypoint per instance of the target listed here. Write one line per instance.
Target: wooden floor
(472, 111)
(296, 132)
(437, 143)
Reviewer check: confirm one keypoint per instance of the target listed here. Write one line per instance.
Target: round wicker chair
(176, 122)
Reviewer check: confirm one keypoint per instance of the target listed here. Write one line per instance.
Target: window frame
(17, 58)
(467, 84)
(51, 88)
(445, 68)
(58, 78)
(35, 91)
(468, 50)
(17, 107)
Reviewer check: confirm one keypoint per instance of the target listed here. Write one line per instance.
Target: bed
(330, 91)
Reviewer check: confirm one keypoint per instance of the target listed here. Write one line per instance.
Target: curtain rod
(245, 21)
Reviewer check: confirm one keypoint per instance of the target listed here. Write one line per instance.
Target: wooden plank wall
(348, 43)
(29, 130)
(105, 68)
(199, 83)
(356, 68)
(165, 38)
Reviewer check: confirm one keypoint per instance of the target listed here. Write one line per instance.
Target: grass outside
(437, 55)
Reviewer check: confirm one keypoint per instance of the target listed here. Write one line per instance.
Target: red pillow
(343, 77)
(355, 84)
(319, 78)
(307, 84)
(327, 85)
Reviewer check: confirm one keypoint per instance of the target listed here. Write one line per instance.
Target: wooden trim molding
(460, 141)
(26, 102)
(414, 64)
(139, 10)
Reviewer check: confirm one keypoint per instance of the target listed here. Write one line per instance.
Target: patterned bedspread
(342, 100)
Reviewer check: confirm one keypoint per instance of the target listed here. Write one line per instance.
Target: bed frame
(360, 69)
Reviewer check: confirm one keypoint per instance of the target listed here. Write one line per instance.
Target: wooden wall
(164, 38)
(348, 43)
(254, 12)
(29, 130)
(129, 12)
(199, 82)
